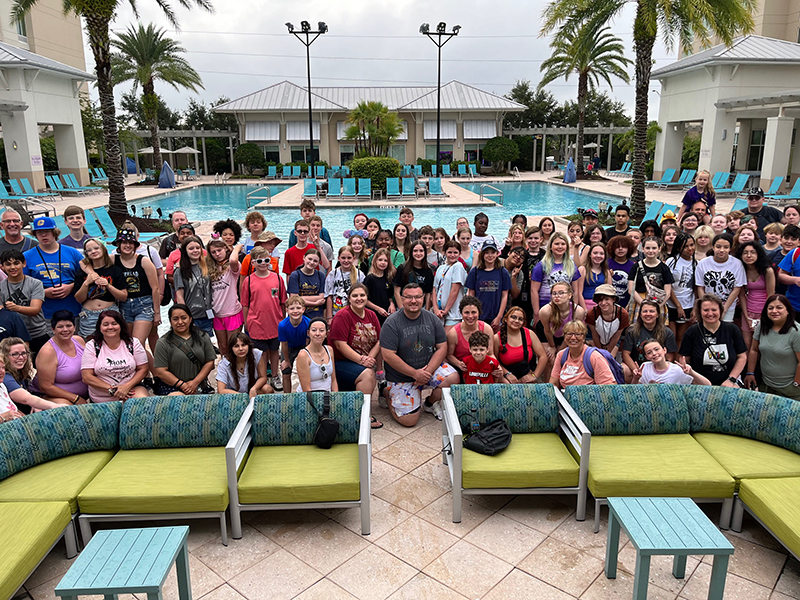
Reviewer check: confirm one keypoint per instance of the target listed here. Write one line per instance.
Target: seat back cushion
(202, 420)
(735, 411)
(631, 409)
(526, 408)
(288, 419)
(58, 432)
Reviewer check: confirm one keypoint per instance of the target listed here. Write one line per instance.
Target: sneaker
(382, 402)
(277, 384)
(435, 409)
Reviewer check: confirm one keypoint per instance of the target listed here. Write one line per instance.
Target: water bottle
(474, 425)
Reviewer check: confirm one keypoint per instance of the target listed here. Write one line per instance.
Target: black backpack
(490, 439)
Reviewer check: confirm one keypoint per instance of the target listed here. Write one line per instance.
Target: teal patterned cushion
(631, 409)
(56, 433)
(526, 408)
(734, 411)
(287, 419)
(203, 420)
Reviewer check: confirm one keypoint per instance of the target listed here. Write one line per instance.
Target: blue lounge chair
(309, 188)
(462, 170)
(365, 188)
(96, 177)
(653, 211)
(272, 172)
(627, 169)
(737, 186)
(102, 172)
(434, 171)
(55, 184)
(348, 187)
(15, 188)
(406, 170)
(296, 172)
(346, 170)
(101, 215)
(72, 182)
(665, 178)
(446, 171)
(320, 170)
(775, 186)
(473, 169)
(409, 188)
(720, 179)
(435, 186)
(740, 204)
(616, 172)
(286, 173)
(393, 187)
(667, 207)
(334, 187)
(794, 194)
(29, 191)
(684, 180)
(418, 170)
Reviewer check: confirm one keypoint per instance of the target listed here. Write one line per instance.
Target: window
(22, 29)
(346, 153)
(271, 153)
(473, 152)
(398, 151)
(756, 152)
(446, 151)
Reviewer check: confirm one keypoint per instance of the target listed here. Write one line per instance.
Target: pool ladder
(252, 196)
(496, 195)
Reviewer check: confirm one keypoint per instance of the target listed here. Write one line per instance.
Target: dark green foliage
(541, 106)
(500, 150)
(250, 156)
(691, 152)
(132, 111)
(200, 116)
(376, 168)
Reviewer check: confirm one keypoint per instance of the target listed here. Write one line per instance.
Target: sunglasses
(261, 261)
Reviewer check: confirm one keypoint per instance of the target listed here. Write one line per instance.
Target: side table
(129, 561)
(665, 526)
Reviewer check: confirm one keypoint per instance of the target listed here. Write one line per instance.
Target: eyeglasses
(559, 293)
(261, 261)
(413, 298)
(18, 354)
(576, 335)
(12, 220)
(300, 231)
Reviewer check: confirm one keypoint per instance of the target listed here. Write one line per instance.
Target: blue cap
(42, 223)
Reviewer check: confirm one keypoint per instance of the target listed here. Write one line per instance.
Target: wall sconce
(724, 134)
(459, 145)
(14, 145)
(284, 146)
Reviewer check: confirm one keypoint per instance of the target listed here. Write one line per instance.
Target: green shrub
(250, 156)
(500, 150)
(376, 168)
(426, 164)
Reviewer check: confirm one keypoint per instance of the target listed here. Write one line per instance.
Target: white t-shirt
(478, 240)
(683, 286)
(6, 403)
(337, 284)
(227, 374)
(446, 276)
(114, 367)
(673, 374)
(719, 279)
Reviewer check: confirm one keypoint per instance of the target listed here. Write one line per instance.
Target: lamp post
(440, 37)
(307, 37)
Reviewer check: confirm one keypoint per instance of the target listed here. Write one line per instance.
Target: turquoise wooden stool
(665, 526)
(129, 561)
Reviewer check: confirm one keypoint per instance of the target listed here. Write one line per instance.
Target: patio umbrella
(186, 150)
(149, 150)
(569, 172)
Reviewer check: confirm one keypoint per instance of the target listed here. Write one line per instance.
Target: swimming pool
(216, 202)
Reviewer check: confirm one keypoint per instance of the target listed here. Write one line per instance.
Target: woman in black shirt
(415, 270)
(380, 291)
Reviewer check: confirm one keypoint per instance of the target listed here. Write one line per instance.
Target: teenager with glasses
(16, 358)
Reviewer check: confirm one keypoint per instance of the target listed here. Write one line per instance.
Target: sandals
(376, 424)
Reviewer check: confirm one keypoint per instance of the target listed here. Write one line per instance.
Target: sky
(244, 46)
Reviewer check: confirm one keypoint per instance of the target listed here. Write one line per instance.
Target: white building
(742, 98)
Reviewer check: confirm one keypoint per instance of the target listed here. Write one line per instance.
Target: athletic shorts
(229, 323)
(406, 396)
(272, 345)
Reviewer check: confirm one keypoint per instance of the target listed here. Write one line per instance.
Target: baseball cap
(42, 223)
(605, 289)
(755, 191)
(590, 212)
(489, 245)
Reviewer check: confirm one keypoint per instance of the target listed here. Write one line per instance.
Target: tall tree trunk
(150, 106)
(644, 37)
(583, 87)
(97, 27)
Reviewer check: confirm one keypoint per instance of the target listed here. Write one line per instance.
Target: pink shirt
(265, 301)
(224, 297)
(573, 373)
(113, 367)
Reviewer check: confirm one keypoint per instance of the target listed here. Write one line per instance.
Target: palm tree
(593, 55)
(98, 15)
(373, 128)
(145, 55)
(688, 20)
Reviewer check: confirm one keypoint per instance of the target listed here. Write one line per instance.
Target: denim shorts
(138, 309)
(347, 372)
(87, 320)
(206, 325)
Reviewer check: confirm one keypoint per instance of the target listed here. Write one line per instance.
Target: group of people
(696, 297)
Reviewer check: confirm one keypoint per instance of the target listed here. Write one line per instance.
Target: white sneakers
(435, 409)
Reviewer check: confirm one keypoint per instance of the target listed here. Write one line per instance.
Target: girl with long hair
(521, 355)
(548, 227)
(490, 283)
(575, 234)
(555, 314)
(682, 263)
(373, 227)
(142, 308)
(18, 374)
(414, 270)
(339, 281)
(223, 271)
(651, 279)
(594, 235)
(358, 249)
(556, 266)
(648, 324)
(448, 286)
(464, 239)
(193, 284)
(668, 236)
(99, 285)
(436, 256)
(760, 286)
(701, 191)
(400, 241)
(184, 355)
(516, 239)
(241, 369)
(380, 291)
(594, 272)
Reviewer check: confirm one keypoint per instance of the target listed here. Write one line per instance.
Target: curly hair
(26, 372)
(504, 325)
(221, 226)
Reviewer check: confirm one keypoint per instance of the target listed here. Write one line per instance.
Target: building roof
(745, 49)
(767, 99)
(11, 56)
(287, 96)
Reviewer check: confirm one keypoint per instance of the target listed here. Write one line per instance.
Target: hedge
(376, 168)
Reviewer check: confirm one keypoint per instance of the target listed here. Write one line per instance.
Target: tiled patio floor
(505, 547)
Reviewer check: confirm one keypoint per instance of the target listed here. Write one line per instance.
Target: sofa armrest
(576, 433)
(365, 423)
(452, 429)
(237, 447)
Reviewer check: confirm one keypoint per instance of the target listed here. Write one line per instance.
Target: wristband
(753, 374)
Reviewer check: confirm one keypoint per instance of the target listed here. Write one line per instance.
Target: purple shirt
(556, 275)
(72, 243)
(692, 195)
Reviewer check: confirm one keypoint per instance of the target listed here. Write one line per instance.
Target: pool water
(217, 202)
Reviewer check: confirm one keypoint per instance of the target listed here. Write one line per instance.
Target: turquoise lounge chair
(365, 188)
(434, 171)
(15, 188)
(653, 211)
(286, 172)
(346, 170)
(320, 170)
(473, 169)
(418, 170)
(72, 182)
(29, 191)
(272, 172)
(462, 170)
(737, 185)
(794, 194)
(406, 170)
(775, 186)
(740, 204)
(435, 186)
(334, 187)
(55, 184)
(96, 177)
(624, 170)
(409, 188)
(446, 171)
(393, 187)
(100, 213)
(684, 180)
(309, 188)
(720, 179)
(665, 178)
(296, 172)
(348, 187)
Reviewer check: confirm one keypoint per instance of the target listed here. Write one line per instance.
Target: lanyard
(47, 270)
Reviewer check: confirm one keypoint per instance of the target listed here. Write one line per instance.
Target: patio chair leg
(738, 516)
(236, 522)
(71, 540)
(597, 506)
(223, 525)
(456, 505)
(580, 513)
(86, 530)
(365, 524)
(725, 515)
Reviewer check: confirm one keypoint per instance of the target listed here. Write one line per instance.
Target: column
(544, 150)
(795, 171)
(71, 152)
(533, 156)
(197, 156)
(610, 146)
(669, 147)
(566, 150)
(743, 147)
(778, 143)
(205, 162)
(230, 147)
(136, 156)
(20, 128)
(715, 152)
(324, 138)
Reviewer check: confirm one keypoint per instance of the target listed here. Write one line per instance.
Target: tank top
(68, 371)
(135, 278)
(560, 331)
(516, 354)
(461, 351)
(756, 295)
(320, 381)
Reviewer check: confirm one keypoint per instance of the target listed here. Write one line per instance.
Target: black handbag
(490, 439)
(327, 427)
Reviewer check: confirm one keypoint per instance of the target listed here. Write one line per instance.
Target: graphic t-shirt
(114, 276)
(22, 294)
(196, 291)
(713, 355)
(337, 285)
(301, 284)
(572, 371)
(114, 367)
(6, 404)
(422, 277)
(361, 334)
(657, 277)
(620, 272)
(488, 287)
(548, 280)
(225, 296)
(446, 276)
(607, 329)
(682, 281)
(414, 341)
(477, 241)
(480, 372)
(52, 269)
(719, 279)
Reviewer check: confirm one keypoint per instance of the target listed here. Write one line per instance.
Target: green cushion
(162, 480)
(531, 460)
(526, 408)
(28, 531)
(294, 474)
(774, 501)
(744, 458)
(59, 480)
(655, 465)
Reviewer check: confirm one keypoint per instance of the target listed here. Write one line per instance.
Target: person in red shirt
(293, 257)
(479, 363)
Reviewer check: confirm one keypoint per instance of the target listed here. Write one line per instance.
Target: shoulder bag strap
(524, 337)
(189, 354)
(326, 404)
(314, 408)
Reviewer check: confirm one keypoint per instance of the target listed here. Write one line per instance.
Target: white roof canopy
(297, 131)
(262, 131)
(447, 130)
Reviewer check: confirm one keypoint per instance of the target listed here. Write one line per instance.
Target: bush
(500, 150)
(250, 156)
(376, 168)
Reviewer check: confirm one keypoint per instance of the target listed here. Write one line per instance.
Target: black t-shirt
(713, 355)
(612, 232)
(422, 277)
(12, 325)
(632, 344)
(764, 217)
(775, 257)
(379, 291)
(114, 276)
(658, 276)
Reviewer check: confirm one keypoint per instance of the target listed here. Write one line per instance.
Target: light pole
(305, 31)
(440, 37)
